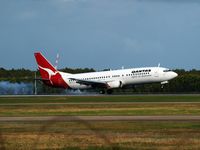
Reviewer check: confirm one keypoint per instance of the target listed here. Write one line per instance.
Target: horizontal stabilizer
(41, 79)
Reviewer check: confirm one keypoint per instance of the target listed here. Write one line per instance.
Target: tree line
(188, 81)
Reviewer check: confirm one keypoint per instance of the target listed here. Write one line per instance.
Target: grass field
(101, 135)
(77, 105)
(100, 110)
(77, 99)
(106, 135)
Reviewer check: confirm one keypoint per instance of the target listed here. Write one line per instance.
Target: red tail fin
(49, 74)
(45, 67)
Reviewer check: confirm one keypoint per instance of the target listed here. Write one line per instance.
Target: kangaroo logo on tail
(49, 71)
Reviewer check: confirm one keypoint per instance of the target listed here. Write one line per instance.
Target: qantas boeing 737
(105, 80)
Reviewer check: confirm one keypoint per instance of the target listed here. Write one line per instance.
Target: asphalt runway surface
(94, 103)
(99, 95)
(103, 118)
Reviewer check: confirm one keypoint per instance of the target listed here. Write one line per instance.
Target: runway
(99, 95)
(94, 103)
(188, 118)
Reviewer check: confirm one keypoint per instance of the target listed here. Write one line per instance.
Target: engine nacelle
(115, 84)
(164, 82)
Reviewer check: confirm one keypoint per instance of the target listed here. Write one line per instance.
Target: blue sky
(101, 33)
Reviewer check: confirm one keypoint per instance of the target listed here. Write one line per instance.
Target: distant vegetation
(25, 75)
(186, 82)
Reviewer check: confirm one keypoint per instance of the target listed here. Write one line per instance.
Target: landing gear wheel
(109, 91)
(102, 92)
(162, 86)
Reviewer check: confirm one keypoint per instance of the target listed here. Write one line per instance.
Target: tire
(109, 91)
(102, 92)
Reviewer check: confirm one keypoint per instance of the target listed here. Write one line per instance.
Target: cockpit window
(167, 70)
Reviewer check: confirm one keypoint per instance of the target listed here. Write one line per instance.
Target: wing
(100, 84)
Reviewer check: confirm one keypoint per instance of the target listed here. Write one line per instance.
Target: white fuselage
(124, 77)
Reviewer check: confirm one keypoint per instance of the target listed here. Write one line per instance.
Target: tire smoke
(8, 88)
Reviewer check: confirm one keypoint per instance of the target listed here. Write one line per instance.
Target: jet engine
(115, 84)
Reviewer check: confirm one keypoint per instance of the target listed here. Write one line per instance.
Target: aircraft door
(156, 74)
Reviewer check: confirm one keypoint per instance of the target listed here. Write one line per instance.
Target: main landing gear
(102, 92)
(109, 91)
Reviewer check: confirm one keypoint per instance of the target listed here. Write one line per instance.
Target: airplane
(105, 81)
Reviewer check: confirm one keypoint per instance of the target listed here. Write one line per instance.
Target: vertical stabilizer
(48, 72)
(45, 67)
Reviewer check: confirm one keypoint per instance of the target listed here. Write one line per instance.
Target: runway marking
(103, 118)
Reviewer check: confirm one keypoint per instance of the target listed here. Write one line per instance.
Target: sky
(101, 34)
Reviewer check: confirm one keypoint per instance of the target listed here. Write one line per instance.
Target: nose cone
(174, 75)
